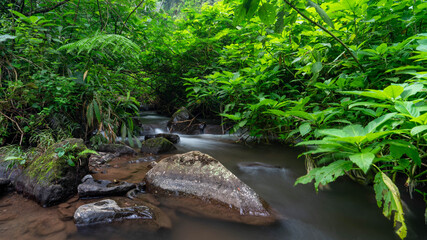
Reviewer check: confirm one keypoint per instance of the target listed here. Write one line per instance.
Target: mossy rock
(55, 175)
(157, 145)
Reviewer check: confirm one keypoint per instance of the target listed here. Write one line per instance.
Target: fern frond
(106, 42)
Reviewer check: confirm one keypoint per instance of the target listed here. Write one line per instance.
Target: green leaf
(300, 114)
(316, 67)
(61, 153)
(418, 129)
(130, 138)
(123, 131)
(321, 13)
(267, 13)
(71, 163)
(327, 174)
(363, 160)
(393, 91)
(388, 197)
(374, 124)
(235, 117)
(251, 6)
(407, 109)
(304, 129)
(354, 130)
(400, 147)
(96, 110)
(87, 151)
(421, 119)
(280, 23)
(89, 114)
(18, 14)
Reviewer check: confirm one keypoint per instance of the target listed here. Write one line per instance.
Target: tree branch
(124, 24)
(328, 32)
(45, 10)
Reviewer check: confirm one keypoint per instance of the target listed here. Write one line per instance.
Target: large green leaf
(418, 129)
(267, 13)
(363, 160)
(374, 124)
(407, 109)
(327, 174)
(393, 91)
(354, 130)
(388, 197)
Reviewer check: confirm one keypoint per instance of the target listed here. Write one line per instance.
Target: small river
(343, 211)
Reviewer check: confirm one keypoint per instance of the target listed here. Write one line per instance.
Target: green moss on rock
(157, 145)
(49, 166)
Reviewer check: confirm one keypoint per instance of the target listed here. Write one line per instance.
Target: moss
(49, 167)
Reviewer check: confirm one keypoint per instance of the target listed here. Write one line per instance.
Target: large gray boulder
(201, 185)
(54, 176)
(182, 121)
(157, 145)
(107, 211)
(99, 188)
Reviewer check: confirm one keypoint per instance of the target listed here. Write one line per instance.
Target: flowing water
(343, 210)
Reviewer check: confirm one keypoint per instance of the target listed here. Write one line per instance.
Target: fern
(106, 42)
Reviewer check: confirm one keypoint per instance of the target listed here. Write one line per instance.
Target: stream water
(344, 210)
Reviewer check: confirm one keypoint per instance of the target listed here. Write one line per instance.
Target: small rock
(106, 211)
(99, 188)
(174, 138)
(157, 145)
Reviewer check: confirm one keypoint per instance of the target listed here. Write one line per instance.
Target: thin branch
(328, 32)
(118, 15)
(45, 10)
(124, 24)
(17, 125)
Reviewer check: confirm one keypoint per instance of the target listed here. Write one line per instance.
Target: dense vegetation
(348, 77)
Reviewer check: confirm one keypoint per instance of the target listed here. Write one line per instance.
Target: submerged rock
(183, 122)
(106, 211)
(51, 178)
(116, 148)
(199, 184)
(99, 188)
(157, 145)
(173, 138)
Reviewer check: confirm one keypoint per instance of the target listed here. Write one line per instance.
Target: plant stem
(328, 32)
